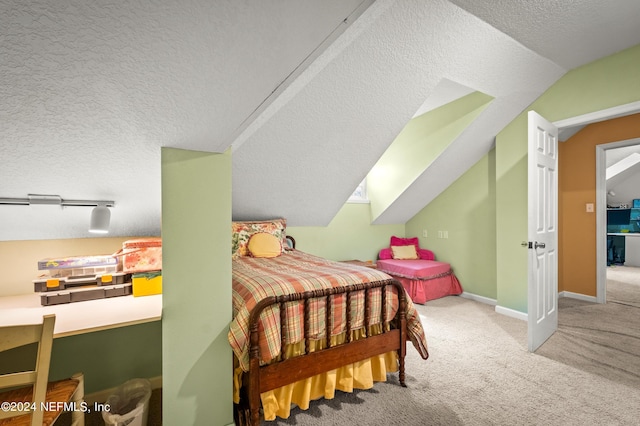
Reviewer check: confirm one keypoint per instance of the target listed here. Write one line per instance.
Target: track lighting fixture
(100, 215)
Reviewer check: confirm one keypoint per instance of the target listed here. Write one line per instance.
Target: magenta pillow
(426, 254)
(397, 241)
(385, 253)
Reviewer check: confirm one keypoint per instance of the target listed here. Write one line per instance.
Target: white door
(542, 230)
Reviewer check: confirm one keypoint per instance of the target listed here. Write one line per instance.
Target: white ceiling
(308, 94)
(623, 173)
(619, 155)
(570, 33)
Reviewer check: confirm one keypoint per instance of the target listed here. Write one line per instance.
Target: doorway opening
(601, 213)
(570, 126)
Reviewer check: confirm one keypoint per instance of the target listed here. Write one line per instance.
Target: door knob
(540, 245)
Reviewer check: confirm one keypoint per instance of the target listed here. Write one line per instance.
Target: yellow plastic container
(147, 284)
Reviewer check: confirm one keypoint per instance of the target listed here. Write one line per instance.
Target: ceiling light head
(100, 217)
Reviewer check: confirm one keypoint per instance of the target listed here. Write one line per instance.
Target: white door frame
(601, 196)
(601, 220)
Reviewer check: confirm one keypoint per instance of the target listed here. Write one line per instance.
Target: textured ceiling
(91, 91)
(368, 87)
(308, 94)
(570, 33)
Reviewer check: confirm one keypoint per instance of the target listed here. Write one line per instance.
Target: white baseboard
(499, 309)
(578, 296)
(101, 396)
(512, 313)
(521, 315)
(480, 299)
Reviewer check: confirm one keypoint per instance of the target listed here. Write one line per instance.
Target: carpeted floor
(623, 285)
(480, 372)
(601, 339)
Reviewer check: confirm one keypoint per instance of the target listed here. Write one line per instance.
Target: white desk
(81, 317)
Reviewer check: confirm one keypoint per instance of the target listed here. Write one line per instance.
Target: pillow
(262, 244)
(426, 254)
(385, 253)
(397, 241)
(404, 252)
(242, 231)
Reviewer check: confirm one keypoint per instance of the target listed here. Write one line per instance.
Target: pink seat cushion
(413, 268)
(423, 280)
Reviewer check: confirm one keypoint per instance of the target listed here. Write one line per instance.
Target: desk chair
(43, 401)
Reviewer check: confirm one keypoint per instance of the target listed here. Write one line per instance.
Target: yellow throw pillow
(262, 244)
(404, 252)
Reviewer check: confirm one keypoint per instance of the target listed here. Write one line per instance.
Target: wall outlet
(424, 233)
(446, 234)
(439, 234)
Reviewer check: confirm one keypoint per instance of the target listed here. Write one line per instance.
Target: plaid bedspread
(294, 272)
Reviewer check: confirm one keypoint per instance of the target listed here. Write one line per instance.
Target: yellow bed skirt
(359, 375)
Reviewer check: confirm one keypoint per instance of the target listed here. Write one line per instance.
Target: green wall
(107, 358)
(511, 216)
(350, 235)
(421, 141)
(485, 211)
(602, 84)
(466, 209)
(196, 220)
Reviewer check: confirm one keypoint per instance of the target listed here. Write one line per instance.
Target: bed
(304, 327)
(421, 275)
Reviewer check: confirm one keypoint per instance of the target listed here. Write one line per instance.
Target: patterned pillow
(241, 232)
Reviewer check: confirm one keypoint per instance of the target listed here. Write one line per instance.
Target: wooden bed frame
(285, 371)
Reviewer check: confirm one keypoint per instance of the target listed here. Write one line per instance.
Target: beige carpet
(600, 339)
(480, 372)
(623, 285)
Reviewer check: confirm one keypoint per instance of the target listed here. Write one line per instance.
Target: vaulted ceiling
(307, 94)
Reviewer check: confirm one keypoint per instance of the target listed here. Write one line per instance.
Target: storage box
(83, 272)
(636, 204)
(44, 284)
(84, 294)
(142, 255)
(79, 265)
(147, 284)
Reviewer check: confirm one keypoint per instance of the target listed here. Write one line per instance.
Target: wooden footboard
(276, 374)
